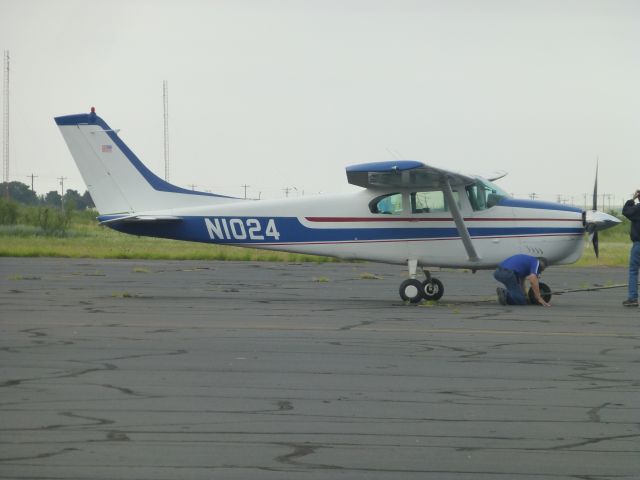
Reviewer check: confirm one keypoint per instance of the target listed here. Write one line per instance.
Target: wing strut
(460, 225)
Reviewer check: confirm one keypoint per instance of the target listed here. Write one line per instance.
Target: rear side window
(390, 204)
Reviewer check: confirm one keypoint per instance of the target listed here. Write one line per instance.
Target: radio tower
(165, 101)
(5, 121)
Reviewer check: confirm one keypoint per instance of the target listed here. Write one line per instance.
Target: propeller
(596, 221)
(594, 235)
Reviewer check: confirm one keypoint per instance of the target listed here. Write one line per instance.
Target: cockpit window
(390, 204)
(484, 194)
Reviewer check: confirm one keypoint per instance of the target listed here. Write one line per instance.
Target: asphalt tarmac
(212, 370)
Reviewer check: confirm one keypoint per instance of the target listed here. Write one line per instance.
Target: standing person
(513, 272)
(631, 210)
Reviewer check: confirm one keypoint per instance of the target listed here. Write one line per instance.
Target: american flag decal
(106, 148)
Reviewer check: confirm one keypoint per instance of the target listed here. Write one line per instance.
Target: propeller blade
(594, 240)
(595, 190)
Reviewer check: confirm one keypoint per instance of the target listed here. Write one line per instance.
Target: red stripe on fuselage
(392, 240)
(432, 219)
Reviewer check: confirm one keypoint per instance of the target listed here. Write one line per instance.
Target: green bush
(9, 212)
(54, 221)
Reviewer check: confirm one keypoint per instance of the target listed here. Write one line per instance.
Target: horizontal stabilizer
(140, 219)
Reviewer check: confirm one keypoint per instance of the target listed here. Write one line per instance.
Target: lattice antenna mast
(5, 119)
(165, 101)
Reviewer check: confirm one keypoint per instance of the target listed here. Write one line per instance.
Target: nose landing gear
(413, 290)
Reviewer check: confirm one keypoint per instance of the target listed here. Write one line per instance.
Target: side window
(390, 204)
(426, 202)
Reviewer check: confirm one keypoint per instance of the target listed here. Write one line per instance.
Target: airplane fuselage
(344, 226)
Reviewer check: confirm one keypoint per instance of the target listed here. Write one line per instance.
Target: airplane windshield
(483, 194)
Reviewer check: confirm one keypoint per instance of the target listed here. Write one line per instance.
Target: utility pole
(62, 179)
(32, 176)
(608, 198)
(286, 191)
(165, 103)
(533, 196)
(5, 122)
(245, 190)
(193, 186)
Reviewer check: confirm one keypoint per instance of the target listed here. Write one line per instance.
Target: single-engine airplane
(408, 212)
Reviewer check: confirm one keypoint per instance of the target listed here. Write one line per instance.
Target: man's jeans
(515, 295)
(634, 263)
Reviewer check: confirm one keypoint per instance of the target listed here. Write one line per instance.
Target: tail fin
(117, 180)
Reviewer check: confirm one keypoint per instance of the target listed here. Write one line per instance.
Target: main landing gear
(413, 290)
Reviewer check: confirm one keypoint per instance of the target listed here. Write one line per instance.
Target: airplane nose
(597, 221)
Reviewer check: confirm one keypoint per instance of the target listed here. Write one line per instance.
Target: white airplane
(407, 213)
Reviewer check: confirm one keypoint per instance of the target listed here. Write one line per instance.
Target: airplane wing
(409, 173)
(404, 173)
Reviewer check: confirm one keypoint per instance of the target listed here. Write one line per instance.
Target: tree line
(22, 211)
(21, 193)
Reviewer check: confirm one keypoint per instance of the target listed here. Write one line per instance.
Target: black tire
(411, 290)
(432, 290)
(545, 292)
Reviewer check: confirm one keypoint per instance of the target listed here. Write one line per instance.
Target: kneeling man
(513, 272)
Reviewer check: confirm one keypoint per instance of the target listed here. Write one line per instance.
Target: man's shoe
(502, 296)
(630, 302)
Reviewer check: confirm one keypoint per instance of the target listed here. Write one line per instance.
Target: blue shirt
(522, 265)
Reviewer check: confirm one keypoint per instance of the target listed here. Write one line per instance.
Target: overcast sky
(277, 94)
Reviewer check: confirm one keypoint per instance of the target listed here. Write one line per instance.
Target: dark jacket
(632, 212)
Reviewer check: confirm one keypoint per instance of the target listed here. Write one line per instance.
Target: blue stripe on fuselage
(523, 203)
(288, 230)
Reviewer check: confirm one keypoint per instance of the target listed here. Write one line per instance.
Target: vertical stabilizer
(118, 181)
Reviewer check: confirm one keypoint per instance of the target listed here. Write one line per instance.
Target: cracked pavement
(166, 369)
